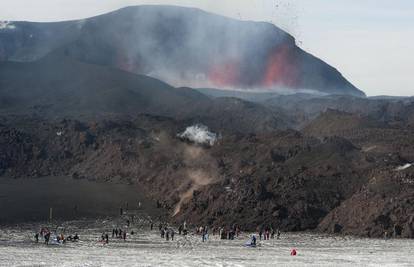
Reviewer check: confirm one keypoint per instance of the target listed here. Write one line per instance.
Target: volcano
(181, 46)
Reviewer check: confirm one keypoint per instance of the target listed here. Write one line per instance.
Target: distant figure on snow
(47, 238)
(253, 241)
(172, 234)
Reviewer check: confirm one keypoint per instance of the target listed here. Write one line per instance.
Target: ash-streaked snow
(6, 25)
(404, 167)
(146, 248)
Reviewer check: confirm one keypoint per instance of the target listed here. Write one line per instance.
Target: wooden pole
(50, 214)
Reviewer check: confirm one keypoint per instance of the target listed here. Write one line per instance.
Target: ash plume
(184, 47)
(202, 170)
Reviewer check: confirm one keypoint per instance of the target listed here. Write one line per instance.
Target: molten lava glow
(225, 75)
(281, 69)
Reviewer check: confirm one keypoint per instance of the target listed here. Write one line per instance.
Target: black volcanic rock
(352, 182)
(182, 46)
(236, 180)
(333, 122)
(383, 207)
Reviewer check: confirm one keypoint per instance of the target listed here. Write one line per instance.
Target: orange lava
(281, 69)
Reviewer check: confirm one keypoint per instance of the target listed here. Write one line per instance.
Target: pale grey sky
(369, 41)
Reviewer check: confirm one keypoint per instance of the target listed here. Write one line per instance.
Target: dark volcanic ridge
(182, 46)
(59, 86)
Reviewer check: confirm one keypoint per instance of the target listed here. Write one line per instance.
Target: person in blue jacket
(253, 242)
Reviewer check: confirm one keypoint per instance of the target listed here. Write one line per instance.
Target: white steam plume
(199, 134)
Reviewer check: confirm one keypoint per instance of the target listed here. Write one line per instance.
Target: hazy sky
(370, 41)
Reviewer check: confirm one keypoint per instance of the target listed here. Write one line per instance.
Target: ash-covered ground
(146, 248)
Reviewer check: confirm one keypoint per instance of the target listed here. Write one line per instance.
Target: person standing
(253, 241)
(47, 237)
(205, 234)
(185, 228)
(172, 234)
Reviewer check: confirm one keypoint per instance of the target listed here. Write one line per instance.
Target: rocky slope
(284, 178)
(382, 207)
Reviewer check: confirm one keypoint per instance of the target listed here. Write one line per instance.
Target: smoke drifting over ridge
(183, 47)
(189, 47)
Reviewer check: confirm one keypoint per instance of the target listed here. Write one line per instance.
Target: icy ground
(148, 249)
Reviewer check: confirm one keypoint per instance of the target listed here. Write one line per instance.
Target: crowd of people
(268, 233)
(223, 233)
(45, 233)
(117, 233)
(168, 233)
